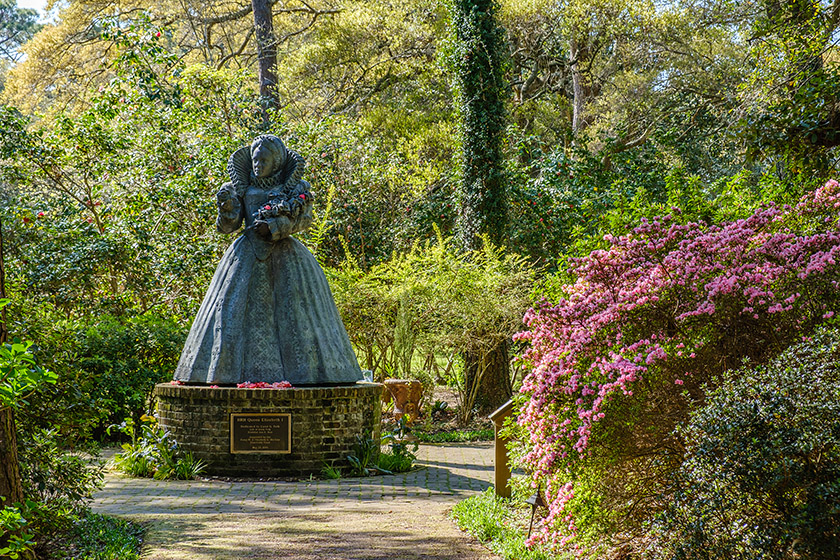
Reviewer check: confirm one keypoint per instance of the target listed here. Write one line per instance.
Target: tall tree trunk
(10, 485)
(577, 88)
(4, 329)
(480, 75)
(483, 185)
(267, 56)
(494, 388)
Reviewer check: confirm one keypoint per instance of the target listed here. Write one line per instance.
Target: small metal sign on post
(536, 500)
(501, 476)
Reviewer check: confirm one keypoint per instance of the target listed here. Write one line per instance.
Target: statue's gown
(269, 314)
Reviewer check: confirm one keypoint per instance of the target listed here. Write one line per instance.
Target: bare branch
(606, 160)
(239, 51)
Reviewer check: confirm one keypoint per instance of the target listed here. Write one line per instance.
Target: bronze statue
(269, 314)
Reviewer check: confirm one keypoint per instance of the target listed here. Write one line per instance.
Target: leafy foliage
(400, 455)
(456, 436)
(789, 101)
(17, 27)
(63, 482)
(98, 537)
(429, 305)
(365, 453)
(20, 374)
(760, 477)
(106, 369)
(15, 538)
(153, 453)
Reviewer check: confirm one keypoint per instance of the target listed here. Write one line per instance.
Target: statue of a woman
(269, 314)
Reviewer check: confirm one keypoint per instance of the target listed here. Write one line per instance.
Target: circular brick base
(324, 424)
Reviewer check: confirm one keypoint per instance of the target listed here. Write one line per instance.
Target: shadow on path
(384, 517)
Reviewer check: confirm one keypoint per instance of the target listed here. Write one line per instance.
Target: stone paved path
(377, 518)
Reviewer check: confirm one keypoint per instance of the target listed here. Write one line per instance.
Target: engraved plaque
(260, 433)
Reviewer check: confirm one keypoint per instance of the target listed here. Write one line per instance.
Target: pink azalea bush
(616, 364)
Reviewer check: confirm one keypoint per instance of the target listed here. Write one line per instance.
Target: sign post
(501, 472)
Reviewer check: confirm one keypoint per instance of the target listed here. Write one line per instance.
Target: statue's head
(268, 155)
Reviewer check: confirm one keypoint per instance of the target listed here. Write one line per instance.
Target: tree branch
(245, 10)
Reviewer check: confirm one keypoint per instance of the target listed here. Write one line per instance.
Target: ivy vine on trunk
(479, 68)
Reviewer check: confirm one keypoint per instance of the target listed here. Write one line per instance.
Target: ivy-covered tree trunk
(4, 330)
(266, 55)
(481, 83)
(479, 65)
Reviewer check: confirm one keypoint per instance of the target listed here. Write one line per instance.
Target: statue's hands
(224, 200)
(281, 227)
(263, 230)
(273, 229)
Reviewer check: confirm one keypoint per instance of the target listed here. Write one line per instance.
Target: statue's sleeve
(230, 209)
(304, 218)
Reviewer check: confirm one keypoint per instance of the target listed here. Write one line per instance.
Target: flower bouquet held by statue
(268, 316)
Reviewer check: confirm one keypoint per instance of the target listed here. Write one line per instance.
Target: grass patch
(500, 524)
(396, 463)
(97, 537)
(455, 436)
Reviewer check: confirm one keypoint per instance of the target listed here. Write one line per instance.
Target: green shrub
(399, 458)
(94, 537)
(153, 453)
(396, 463)
(365, 453)
(331, 472)
(761, 477)
(98, 537)
(430, 305)
(61, 480)
(123, 359)
(15, 533)
(106, 366)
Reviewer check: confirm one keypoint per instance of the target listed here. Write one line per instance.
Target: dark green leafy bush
(107, 368)
(124, 359)
(154, 453)
(365, 454)
(761, 478)
(61, 480)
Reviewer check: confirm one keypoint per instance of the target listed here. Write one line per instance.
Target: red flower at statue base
(264, 385)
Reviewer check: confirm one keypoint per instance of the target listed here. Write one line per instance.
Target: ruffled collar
(242, 176)
(278, 181)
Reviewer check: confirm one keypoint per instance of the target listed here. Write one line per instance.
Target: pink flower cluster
(264, 385)
(663, 300)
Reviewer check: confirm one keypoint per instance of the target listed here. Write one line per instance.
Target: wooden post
(501, 471)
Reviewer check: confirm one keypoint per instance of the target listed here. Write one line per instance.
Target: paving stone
(390, 516)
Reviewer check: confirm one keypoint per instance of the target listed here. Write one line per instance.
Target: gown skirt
(270, 319)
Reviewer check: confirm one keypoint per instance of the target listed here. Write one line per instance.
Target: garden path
(384, 517)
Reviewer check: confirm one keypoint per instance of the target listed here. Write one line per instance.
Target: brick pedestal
(325, 422)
